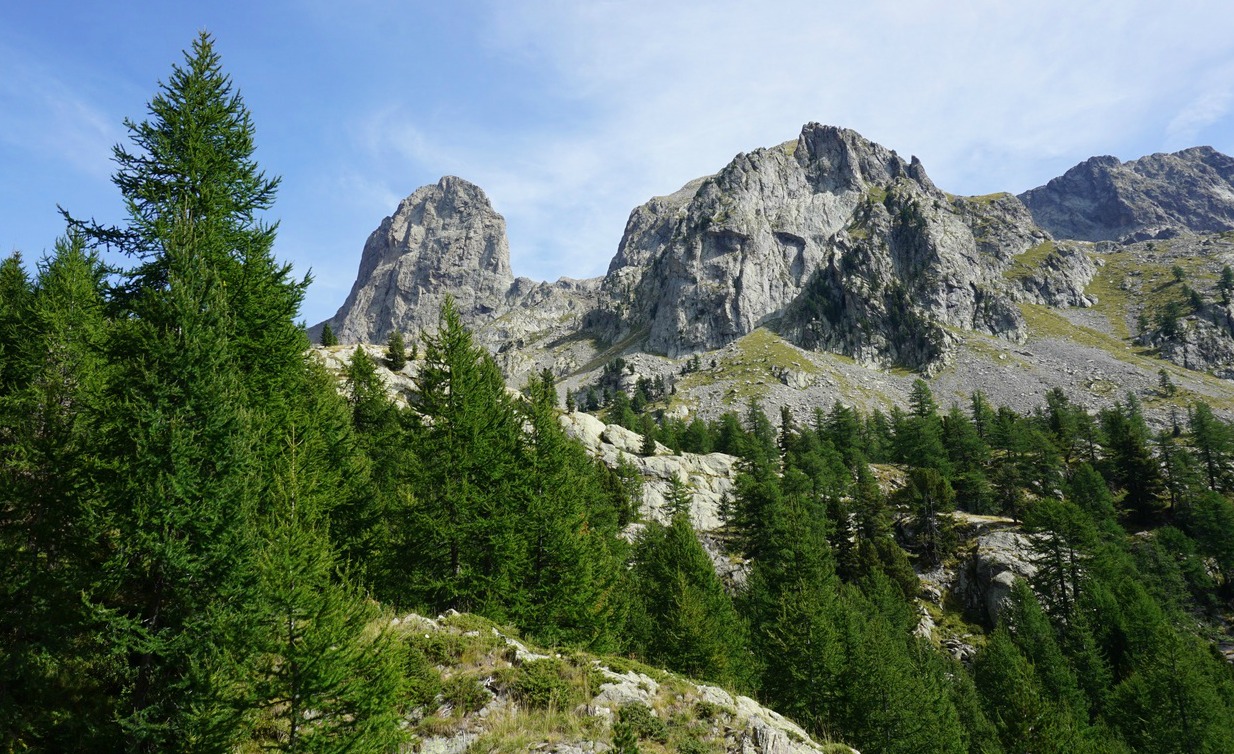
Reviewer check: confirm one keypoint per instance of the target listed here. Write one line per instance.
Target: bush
(423, 682)
(541, 684)
(643, 722)
(465, 694)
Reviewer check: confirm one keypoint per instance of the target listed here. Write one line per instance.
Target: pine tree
(55, 679)
(694, 627)
(459, 534)
(1213, 443)
(892, 700)
(572, 591)
(930, 498)
(206, 368)
(1062, 537)
(323, 680)
(16, 294)
(328, 338)
(1226, 284)
(191, 163)
(1026, 718)
(1130, 463)
(396, 351)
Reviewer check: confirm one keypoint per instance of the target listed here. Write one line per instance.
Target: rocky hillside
(479, 688)
(817, 270)
(1157, 196)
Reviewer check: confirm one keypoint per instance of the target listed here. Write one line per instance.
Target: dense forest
(202, 532)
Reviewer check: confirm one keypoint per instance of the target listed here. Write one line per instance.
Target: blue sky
(569, 114)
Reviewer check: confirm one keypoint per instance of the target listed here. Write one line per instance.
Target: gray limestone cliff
(1102, 199)
(442, 240)
(832, 239)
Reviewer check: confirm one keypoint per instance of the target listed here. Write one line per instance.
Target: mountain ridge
(830, 241)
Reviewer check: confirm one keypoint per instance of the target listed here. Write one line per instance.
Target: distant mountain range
(830, 268)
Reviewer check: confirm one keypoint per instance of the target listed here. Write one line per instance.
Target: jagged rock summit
(444, 239)
(797, 266)
(1103, 199)
(835, 241)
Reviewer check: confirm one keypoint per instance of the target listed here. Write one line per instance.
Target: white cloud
(39, 112)
(991, 96)
(1211, 101)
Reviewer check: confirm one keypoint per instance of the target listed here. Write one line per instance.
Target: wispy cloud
(990, 96)
(1210, 101)
(41, 113)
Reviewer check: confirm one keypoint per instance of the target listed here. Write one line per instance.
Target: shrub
(643, 721)
(541, 684)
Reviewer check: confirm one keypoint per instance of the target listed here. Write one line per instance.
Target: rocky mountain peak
(443, 239)
(1104, 199)
(823, 237)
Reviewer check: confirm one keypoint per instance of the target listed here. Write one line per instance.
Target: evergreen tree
(572, 591)
(206, 370)
(328, 338)
(53, 678)
(16, 294)
(1213, 444)
(323, 680)
(694, 627)
(1026, 718)
(919, 434)
(1226, 284)
(1062, 537)
(930, 498)
(192, 165)
(1130, 462)
(396, 351)
(892, 703)
(459, 534)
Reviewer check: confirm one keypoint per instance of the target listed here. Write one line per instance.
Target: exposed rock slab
(443, 240)
(709, 478)
(1103, 199)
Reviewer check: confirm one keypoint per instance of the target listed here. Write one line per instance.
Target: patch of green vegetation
(518, 730)
(544, 684)
(623, 665)
(876, 194)
(1128, 286)
(613, 351)
(461, 647)
(750, 368)
(643, 721)
(1029, 262)
(789, 147)
(465, 693)
(984, 200)
(1044, 322)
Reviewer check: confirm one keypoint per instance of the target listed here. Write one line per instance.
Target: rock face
(709, 478)
(999, 560)
(443, 240)
(1102, 199)
(709, 717)
(836, 241)
(1202, 344)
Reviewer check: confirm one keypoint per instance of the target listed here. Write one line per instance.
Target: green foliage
(690, 624)
(396, 351)
(328, 338)
(542, 684)
(625, 739)
(465, 693)
(643, 722)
